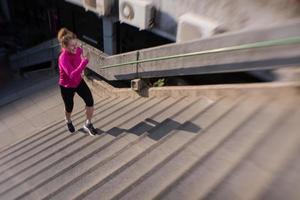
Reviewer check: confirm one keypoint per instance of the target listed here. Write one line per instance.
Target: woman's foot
(90, 129)
(70, 126)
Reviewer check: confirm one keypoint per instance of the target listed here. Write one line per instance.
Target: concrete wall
(233, 14)
(231, 61)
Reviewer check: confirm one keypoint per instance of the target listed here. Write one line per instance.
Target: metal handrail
(269, 43)
(34, 51)
(21, 55)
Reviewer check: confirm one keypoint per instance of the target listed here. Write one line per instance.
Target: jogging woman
(71, 63)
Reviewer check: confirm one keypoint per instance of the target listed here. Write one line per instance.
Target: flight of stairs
(236, 145)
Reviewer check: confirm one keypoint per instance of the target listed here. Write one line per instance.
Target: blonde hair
(64, 36)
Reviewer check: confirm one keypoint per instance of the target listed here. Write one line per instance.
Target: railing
(263, 50)
(270, 43)
(46, 51)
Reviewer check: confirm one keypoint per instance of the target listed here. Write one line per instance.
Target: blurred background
(116, 27)
(230, 132)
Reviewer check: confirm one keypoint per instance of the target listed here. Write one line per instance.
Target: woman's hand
(79, 44)
(85, 55)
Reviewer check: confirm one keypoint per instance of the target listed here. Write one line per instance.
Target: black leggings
(82, 90)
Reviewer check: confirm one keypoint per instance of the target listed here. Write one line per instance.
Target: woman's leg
(68, 96)
(89, 113)
(68, 116)
(85, 93)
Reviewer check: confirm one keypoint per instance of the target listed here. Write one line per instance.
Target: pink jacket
(70, 68)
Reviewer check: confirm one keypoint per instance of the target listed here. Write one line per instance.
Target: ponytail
(64, 36)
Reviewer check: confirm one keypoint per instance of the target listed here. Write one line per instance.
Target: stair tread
(107, 168)
(161, 152)
(212, 137)
(286, 184)
(159, 148)
(27, 144)
(227, 155)
(58, 165)
(259, 167)
(106, 139)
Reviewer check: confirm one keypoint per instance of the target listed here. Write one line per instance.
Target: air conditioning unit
(101, 7)
(191, 27)
(138, 13)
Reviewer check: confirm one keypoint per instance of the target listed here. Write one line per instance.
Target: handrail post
(137, 63)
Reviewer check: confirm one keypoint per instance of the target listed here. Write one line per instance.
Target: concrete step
(33, 172)
(20, 145)
(230, 121)
(33, 155)
(285, 185)
(101, 156)
(163, 147)
(259, 167)
(55, 141)
(160, 151)
(23, 87)
(212, 167)
(22, 163)
(43, 177)
(42, 139)
(132, 151)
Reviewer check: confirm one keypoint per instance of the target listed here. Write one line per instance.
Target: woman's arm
(66, 66)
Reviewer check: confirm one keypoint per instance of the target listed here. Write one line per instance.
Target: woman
(71, 64)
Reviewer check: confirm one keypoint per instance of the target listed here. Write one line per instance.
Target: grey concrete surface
(234, 15)
(242, 60)
(30, 107)
(180, 142)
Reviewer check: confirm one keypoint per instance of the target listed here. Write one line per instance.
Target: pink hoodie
(70, 68)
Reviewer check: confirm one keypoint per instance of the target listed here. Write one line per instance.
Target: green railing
(262, 44)
(269, 43)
